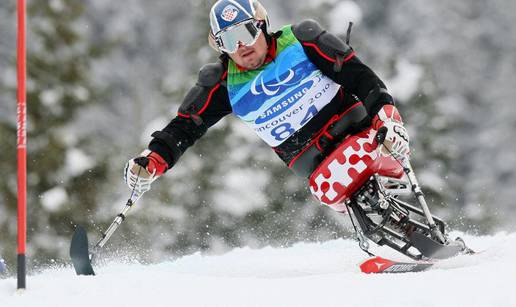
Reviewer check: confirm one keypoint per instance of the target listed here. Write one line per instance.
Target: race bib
(279, 99)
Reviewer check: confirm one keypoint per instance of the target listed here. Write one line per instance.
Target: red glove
(387, 112)
(157, 164)
(396, 141)
(141, 181)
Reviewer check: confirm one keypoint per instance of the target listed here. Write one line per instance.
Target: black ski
(79, 252)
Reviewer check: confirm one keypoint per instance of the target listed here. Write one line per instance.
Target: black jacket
(211, 102)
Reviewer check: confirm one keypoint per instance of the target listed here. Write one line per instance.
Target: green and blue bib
(279, 98)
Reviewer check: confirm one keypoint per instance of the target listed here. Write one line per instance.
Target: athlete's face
(251, 57)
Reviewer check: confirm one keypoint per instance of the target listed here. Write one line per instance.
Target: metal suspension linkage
(360, 237)
(385, 219)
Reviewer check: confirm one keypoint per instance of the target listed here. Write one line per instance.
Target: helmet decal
(229, 13)
(246, 7)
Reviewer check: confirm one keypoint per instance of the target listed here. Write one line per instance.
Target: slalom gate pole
(21, 146)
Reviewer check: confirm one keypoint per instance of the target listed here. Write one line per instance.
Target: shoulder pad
(336, 48)
(327, 44)
(332, 41)
(307, 30)
(210, 74)
(199, 96)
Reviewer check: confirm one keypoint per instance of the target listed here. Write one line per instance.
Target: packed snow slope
(324, 274)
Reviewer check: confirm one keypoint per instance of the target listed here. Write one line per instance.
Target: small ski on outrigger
(80, 253)
(79, 249)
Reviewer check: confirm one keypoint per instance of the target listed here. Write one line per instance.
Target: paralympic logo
(270, 89)
(252, 97)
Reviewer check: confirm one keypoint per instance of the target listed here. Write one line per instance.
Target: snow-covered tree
(62, 177)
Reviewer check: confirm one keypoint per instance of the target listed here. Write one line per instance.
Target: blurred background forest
(103, 75)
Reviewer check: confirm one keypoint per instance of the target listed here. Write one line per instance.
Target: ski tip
(375, 265)
(381, 265)
(79, 252)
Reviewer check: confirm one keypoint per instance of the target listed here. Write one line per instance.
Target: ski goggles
(245, 33)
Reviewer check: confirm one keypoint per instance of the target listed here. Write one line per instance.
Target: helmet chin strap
(268, 37)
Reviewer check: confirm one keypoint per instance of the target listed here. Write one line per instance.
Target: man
(301, 89)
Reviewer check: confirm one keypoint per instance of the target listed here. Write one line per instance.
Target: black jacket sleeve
(204, 105)
(360, 80)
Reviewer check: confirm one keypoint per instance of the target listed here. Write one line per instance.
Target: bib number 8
(282, 132)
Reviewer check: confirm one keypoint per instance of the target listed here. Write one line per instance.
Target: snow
(57, 5)
(154, 125)
(50, 97)
(77, 162)
(239, 197)
(81, 93)
(53, 199)
(405, 83)
(306, 274)
(317, 3)
(340, 16)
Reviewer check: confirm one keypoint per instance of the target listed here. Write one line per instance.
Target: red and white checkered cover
(348, 168)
